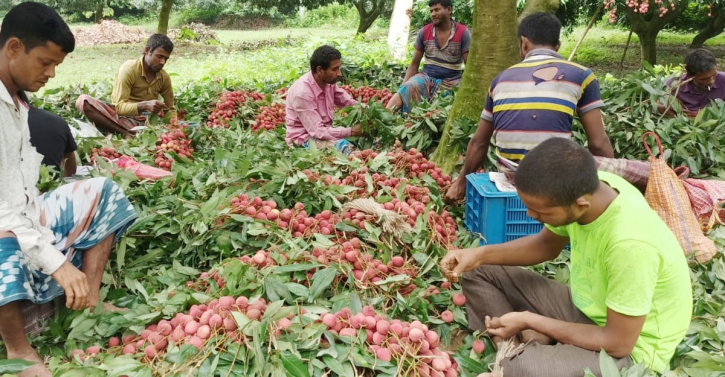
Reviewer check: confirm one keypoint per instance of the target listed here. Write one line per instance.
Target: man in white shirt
(57, 242)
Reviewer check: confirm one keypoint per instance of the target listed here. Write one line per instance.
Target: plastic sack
(140, 170)
(666, 195)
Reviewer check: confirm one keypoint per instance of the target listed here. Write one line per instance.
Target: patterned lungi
(421, 86)
(81, 215)
(109, 111)
(343, 146)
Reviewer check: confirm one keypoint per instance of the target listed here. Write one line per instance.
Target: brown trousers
(496, 290)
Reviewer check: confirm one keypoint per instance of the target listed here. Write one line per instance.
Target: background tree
(714, 26)
(647, 18)
(493, 20)
(369, 11)
(533, 6)
(164, 14)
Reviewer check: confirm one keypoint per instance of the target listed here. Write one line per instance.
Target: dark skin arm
(475, 155)
(69, 164)
(617, 337)
(597, 139)
(414, 65)
(525, 251)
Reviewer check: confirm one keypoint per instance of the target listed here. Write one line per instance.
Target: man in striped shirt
(533, 101)
(445, 45)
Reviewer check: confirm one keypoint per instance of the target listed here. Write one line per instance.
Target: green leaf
(607, 365)
(320, 281)
(14, 365)
(294, 365)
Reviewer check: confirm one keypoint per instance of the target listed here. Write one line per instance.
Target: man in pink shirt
(311, 102)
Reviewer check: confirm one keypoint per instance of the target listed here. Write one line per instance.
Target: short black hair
(159, 40)
(323, 56)
(35, 25)
(699, 60)
(443, 3)
(541, 29)
(558, 170)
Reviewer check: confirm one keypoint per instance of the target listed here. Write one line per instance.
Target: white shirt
(19, 173)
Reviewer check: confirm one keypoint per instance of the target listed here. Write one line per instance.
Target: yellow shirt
(131, 87)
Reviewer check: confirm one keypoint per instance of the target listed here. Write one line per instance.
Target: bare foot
(113, 308)
(531, 336)
(36, 370)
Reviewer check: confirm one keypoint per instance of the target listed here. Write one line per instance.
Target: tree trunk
(493, 20)
(164, 16)
(648, 28)
(99, 12)
(399, 29)
(714, 27)
(648, 46)
(368, 17)
(533, 6)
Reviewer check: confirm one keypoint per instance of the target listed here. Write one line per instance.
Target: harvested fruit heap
(172, 141)
(269, 117)
(366, 94)
(229, 105)
(107, 153)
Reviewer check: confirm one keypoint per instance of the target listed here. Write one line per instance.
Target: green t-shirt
(629, 261)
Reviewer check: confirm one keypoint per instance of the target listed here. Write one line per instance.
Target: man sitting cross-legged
(136, 91)
(57, 242)
(629, 291)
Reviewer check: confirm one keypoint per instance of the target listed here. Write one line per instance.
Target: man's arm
(525, 251)
(167, 93)
(69, 164)
(121, 94)
(597, 140)
(306, 108)
(414, 65)
(465, 57)
(475, 155)
(617, 337)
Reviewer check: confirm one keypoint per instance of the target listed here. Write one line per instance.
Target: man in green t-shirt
(630, 292)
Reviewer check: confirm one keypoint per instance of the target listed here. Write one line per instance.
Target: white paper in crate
(502, 183)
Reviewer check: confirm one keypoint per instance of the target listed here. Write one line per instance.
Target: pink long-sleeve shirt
(310, 110)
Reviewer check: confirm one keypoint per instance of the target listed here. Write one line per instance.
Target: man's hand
(508, 325)
(75, 285)
(152, 106)
(355, 131)
(457, 191)
(456, 262)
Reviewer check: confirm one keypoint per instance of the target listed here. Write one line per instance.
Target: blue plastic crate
(498, 216)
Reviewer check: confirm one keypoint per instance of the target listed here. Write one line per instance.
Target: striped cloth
(537, 99)
(81, 215)
(422, 87)
(109, 112)
(444, 62)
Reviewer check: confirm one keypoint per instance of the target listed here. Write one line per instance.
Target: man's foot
(36, 370)
(113, 308)
(492, 374)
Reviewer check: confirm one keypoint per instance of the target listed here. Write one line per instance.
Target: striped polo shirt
(536, 100)
(445, 63)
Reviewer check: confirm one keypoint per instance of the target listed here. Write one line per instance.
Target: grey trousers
(496, 290)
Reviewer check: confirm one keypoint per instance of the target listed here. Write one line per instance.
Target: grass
(602, 50)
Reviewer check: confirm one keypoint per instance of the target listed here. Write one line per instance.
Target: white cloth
(501, 181)
(20, 171)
